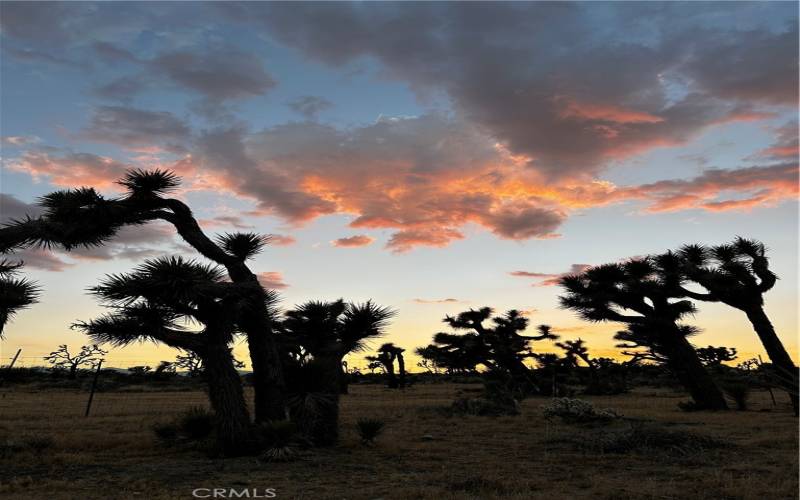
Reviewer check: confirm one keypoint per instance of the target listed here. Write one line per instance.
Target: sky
(433, 157)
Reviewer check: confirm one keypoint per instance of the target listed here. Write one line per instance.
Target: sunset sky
(432, 157)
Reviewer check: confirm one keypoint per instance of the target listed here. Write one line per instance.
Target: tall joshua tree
(318, 335)
(637, 294)
(156, 301)
(738, 275)
(82, 217)
(15, 293)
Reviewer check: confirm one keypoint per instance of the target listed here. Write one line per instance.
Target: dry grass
(113, 453)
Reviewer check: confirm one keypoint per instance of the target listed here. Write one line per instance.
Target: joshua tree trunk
(390, 376)
(401, 366)
(227, 400)
(692, 374)
(320, 420)
(787, 371)
(73, 371)
(268, 383)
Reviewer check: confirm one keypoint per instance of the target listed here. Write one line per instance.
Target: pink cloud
(359, 240)
(272, 280)
(438, 301)
(281, 240)
(550, 279)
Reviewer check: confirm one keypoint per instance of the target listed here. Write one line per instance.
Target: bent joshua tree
(637, 294)
(738, 275)
(82, 217)
(155, 301)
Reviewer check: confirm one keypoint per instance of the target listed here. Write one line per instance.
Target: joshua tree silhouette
(83, 217)
(89, 355)
(500, 348)
(316, 337)
(15, 293)
(639, 294)
(156, 300)
(738, 275)
(387, 354)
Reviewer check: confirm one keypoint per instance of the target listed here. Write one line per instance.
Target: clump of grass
(34, 444)
(369, 429)
(279, 441)
(477, 485)
(577, 411)
(641, 438)
(196, 423)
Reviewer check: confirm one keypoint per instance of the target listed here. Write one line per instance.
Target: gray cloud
(134, 128)
(309, 106)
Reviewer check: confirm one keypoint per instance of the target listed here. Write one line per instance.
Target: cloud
(137, 129)
(550, 279)
(359, 240)
(37, 258)
(281, 240)
(786, 145)
(19, 140)
(12, 208)
(309, 106)
(542, 86)
(226, 220)
(438, 301)
(272, 280)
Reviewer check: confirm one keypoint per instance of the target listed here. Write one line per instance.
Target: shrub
(649, 439)
(34, 444)
(577, 411)
(279, 441)
(196, 423)
(369, 429)
(484, 407)
(166, 433)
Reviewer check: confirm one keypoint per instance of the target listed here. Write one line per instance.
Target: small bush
(484, 407)
(279, 441)
(196, 423)
(166, 433)
(649, 439)
(369, 429)
(577, 411)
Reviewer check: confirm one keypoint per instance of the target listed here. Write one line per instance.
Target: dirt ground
(422, 454)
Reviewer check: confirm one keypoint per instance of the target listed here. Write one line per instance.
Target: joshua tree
(638, 294)
(738, 275)
(715, 356)
(192, 363)
(500, 347)
(317, 336)
(157, 301)
(15, 293)
(89, 355)
(82, 217)
(387, 354)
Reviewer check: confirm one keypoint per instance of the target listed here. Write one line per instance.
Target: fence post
(94, 385)
(8, 370)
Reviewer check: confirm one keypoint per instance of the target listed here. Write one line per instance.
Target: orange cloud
(359, 240)
(438, 301)
(573, 109)
(550, 279)
(272, 280)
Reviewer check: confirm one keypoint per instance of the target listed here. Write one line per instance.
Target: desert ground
(422, 454)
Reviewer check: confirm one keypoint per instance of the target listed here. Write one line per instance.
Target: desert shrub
(166, 433)
(279, 441)
(577, 411)
(739, 392)
(478, 485)
(196, 423)
(369, 429)
(34, 444)
(484, 407)
(642, 438)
